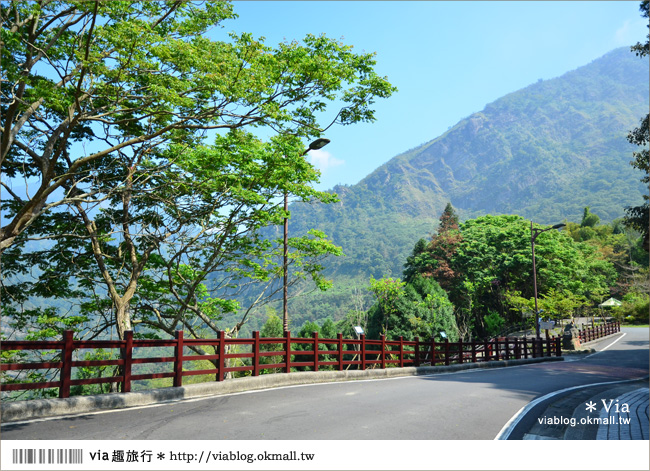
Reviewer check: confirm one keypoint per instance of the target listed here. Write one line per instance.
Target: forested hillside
(544, 152)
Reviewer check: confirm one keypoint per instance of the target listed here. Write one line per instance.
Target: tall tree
(434, 258)
(146, 213)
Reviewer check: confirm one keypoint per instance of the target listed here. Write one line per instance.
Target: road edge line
(508, 428)
(599, 351)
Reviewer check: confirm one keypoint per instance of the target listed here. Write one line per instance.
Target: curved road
(473, 404)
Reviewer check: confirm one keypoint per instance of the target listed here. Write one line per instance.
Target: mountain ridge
(486, 132)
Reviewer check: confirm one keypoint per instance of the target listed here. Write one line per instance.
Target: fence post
(486, 351)
(433, 351)
(256, 353)
(339, 336)
(417, 351)
(287, 351)
(383, 349)
(496, 348)
(460, 350)
(447, 352)
(507, 349)
(525, 345)
(221, 374)
(401, 351)
(128, 357)
(558, 346)
(363, 351)
(66, 367)
(473, 351)
(315, 337)
(178, 359)
(533, 344)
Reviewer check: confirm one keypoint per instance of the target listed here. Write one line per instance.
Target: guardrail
(596, 332)
(336, 353)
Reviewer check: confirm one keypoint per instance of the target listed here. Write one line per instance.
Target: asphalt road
(473, 404)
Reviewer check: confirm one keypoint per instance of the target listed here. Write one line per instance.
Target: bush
(634, 310)
(493, 323)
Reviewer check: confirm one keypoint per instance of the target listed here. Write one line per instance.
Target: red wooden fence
(594, 333)
(359, 353)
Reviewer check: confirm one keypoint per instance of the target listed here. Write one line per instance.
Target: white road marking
(507, 429)
(599, 351)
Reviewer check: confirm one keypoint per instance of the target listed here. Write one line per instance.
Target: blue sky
(447, 59)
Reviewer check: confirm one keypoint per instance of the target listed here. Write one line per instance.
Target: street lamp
(317, 144)
(534, 232)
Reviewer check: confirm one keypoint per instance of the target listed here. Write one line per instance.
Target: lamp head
(319, 144)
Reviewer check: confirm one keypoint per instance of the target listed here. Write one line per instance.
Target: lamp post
(317, 144)
(534, 232)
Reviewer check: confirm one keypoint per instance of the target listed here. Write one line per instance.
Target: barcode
(47, 456)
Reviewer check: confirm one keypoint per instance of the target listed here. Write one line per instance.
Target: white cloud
(323, 160)
(628, 34)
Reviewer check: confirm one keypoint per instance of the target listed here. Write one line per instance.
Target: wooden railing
(338, 353)
(599, 331)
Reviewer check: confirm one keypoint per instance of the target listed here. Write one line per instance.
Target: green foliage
(493, 324)
(634, 310)
(589, 219)
(91, 372)
(562, 304)
(158, 229)
(385, 316)
(494, 261)
(637, 216)
(148, 73)
(434, 258)
(327, 330)
(416, 309)
(29, 375)
(617, 244)
(272, 328)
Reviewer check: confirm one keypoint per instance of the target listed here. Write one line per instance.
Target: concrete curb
(581, 351)
(41, 408)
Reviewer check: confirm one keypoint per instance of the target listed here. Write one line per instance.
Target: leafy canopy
(108, 107)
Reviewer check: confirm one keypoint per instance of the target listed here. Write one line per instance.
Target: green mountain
(543, 152)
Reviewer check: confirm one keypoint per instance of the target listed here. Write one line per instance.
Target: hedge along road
(471, 404)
